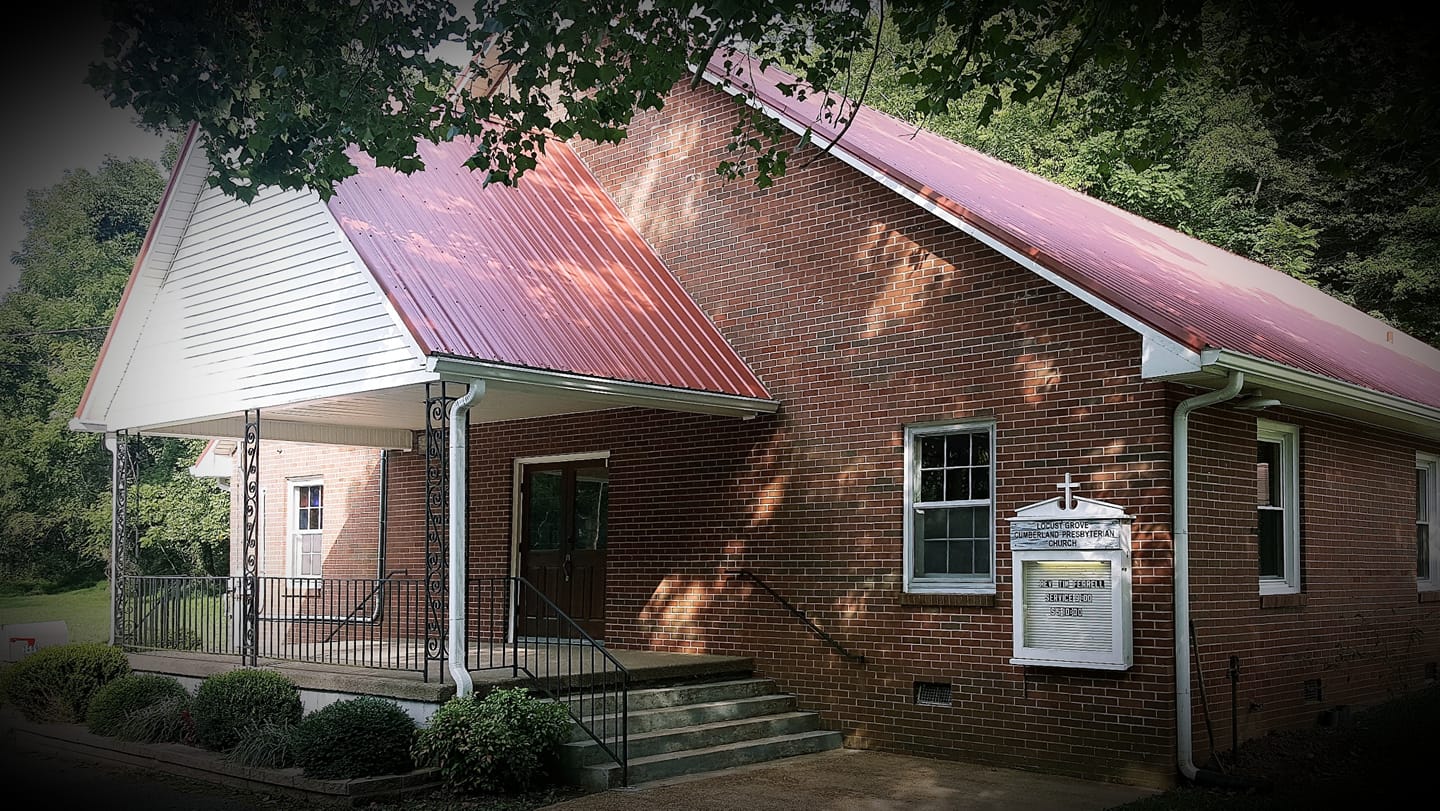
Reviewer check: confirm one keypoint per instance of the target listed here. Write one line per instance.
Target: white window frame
(292, 530)
(1430, 463)
(944, 584)
(1288, 437)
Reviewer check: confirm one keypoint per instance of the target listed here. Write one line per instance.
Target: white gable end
(262, 305)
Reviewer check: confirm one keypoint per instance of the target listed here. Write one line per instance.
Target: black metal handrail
(563, 662)
(364, 601)
(746, 574)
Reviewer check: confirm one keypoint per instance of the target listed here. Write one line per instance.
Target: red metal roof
(547, 275)
(1191, 291)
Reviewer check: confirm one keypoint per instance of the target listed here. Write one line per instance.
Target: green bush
(502, 742)
(6, 669)
(228, 705)
(55, 684)
(115, 701)
(268, 746)
(165, 721)
(359, 737)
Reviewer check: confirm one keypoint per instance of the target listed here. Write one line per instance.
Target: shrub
(165, 721)
(269, 746)
(359, 737)
(228, 705)
(115, 701)
(55, 684)
(499, 743)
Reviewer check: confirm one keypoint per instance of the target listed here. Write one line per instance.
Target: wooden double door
(563, 518)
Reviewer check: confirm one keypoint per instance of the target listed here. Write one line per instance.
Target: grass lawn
(86, 612)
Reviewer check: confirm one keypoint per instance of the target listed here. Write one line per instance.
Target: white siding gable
(262, 305)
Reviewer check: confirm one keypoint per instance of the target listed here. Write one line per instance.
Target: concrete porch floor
(545, 660)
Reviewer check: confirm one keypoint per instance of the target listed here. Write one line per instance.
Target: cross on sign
(1069, 488)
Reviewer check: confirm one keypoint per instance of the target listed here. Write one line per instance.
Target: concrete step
(650, 698)
(689, 715)
(710, 758)
(588, 753)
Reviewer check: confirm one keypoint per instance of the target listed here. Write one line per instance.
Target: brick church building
(1036, 470)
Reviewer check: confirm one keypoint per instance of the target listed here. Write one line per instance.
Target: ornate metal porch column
(250, 581)
(437, 514)
(123, 551)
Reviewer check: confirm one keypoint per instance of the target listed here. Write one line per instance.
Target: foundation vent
(1313, 691)
(932, 694)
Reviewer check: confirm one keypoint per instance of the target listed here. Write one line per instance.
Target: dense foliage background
(82, 237)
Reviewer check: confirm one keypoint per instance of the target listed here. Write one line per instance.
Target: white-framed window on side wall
(949, 508)
(306, 527)
(1427, 521)
(1277, 475)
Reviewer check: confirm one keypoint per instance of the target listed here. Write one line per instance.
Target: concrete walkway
(855, 780)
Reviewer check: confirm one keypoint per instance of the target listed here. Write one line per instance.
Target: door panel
(562, 544)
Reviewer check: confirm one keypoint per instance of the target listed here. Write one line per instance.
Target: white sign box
(1071, 568)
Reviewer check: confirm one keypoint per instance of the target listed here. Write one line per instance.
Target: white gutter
(1180, 531)
(459, 435)
(599, 388)
(1277, 377)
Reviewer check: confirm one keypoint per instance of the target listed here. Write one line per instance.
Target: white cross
(1069, 488)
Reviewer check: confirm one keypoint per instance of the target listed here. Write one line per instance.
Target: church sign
(1071, 570)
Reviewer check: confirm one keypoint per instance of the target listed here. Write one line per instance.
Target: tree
(1302, 135)
(282, 88)
(81, 241)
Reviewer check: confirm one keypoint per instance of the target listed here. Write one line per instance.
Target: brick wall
(1358, 627)
(350, 541)
(862, 315)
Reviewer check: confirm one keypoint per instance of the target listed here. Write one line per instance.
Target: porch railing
(380, 623)
(520, 629)
(362, 622)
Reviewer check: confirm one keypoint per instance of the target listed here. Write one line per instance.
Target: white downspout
(1181, 533)
(459, 435)
(113, 445)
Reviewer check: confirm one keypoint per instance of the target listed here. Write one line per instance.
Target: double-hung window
(1277, 474)
(307, 527)
(1427, 522)
(949, 509)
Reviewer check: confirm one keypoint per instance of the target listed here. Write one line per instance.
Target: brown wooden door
(562, 545)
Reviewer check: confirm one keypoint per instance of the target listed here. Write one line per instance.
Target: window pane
(1272, 542)
(543, 522)
(980, 444)
(1268, 474)
(1422, 495)
(932, 451)
(592, 496)
(980, 483)
(310, 565)
(935, 562)
(318, 520)
(1422, 552)
(957, 450)
(957, 484)
(932, 485)
(933, 524)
